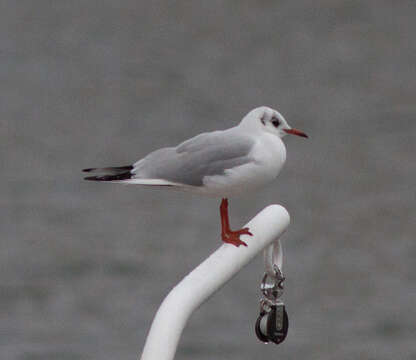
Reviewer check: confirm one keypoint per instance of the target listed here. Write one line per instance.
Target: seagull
(220, 163)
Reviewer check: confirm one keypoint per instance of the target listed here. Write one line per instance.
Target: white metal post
(206, 279)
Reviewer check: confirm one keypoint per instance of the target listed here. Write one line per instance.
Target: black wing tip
(92, 178)
(111, 169)
(110, 173)
(123, 176)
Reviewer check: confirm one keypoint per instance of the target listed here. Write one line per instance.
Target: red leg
(227, 235)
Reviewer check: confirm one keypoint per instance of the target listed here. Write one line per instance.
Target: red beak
(296, 132)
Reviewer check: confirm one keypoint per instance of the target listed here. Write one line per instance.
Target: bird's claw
(243, 231)
(233, 237)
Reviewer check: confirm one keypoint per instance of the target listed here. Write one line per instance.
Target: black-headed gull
(219, 163)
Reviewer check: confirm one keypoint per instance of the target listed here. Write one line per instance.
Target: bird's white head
(266, 119)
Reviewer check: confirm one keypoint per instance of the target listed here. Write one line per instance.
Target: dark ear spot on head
(262, 120)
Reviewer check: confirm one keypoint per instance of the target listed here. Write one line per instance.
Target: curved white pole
(206, 279)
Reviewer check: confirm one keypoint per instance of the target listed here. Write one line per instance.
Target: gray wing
(204, 155)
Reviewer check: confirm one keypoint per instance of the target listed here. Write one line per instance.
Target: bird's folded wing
(204, 155)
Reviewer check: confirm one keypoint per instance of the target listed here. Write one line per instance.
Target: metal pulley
(273, 323)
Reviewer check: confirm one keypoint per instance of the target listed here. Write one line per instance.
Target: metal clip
(272, 287)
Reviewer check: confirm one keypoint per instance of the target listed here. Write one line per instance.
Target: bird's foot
(233, 237)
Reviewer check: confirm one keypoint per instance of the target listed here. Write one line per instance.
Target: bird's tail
(117, 173)
(124, 175)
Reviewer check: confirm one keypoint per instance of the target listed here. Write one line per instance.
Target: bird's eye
(262, 120)
(275, 122)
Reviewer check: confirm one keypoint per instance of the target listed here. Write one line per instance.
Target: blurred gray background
(84, 266)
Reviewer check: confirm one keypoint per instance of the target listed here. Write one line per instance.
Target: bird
(220, 163)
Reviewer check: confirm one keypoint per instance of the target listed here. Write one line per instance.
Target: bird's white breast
(270, 155)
